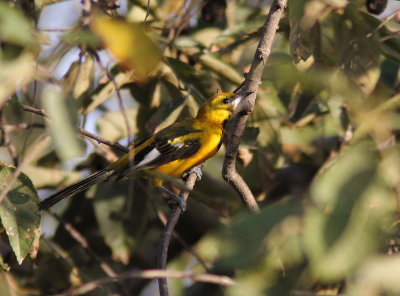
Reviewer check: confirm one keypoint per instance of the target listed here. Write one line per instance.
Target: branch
(167, 234)
(83, 132)
(151, 274)
(118, 93)
(253, 79)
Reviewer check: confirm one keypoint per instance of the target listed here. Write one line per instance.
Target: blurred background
(320, 151)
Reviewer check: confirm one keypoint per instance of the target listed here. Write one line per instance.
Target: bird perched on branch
(172, 151)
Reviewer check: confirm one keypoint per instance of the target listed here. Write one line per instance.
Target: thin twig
(118, 93)
(253, 79)
(81, 240)
(188, 248)
(151, 274)
(384, 21)
(83, 132)
(167, 234)
(147, 11)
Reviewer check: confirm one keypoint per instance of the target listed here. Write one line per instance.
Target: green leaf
(61, 127)
(352, 209)
(19, 213)
(14, 27)
(108, 206)
(249, 232)
(167, 114)
(200, 83)
(240, 32)
(221, 68)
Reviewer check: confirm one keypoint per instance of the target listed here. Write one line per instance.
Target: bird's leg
(179, 200)
(197, 170)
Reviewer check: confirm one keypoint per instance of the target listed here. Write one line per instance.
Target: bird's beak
(239, 97)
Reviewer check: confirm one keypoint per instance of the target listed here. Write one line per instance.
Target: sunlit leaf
(19, 213)
(15, 74)
(14, 27)
(112, 124)
(377, 276)
(43, 176)
(108, 89)
(79, 78)
(130, 44)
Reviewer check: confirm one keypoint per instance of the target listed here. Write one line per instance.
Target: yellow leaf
(130, 44)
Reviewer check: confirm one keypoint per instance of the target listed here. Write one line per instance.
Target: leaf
(108, 89)
(166, 115)
(19, 213)
(200, 83)
(15, 74)
(353, 207)
(377, 276)
(79, 77)
(221, 68)
(14, 27)
(44, 176)
(61, 127)
(130, 43)
(242, 31)
(249, 232)
(112, 125)
(108, 204)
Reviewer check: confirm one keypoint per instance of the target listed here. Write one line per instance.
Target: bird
(172, 151)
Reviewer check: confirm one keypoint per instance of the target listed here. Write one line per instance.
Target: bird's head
(219, 107)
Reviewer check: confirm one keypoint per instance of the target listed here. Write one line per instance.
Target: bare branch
(147, 11)
(81, 240)
(167, 234)
(253, 79)
(118, 93)
(83, 132)
(151, 274)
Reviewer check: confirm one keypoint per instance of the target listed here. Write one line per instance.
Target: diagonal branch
(253, 79)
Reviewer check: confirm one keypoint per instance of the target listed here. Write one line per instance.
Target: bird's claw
(175, 198)
(180, 202)
(197, 170)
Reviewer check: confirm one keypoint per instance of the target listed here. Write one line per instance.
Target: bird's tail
(76, 188)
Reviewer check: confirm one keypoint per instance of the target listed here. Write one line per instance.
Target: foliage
(320, 153)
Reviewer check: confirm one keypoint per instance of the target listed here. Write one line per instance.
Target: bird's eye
(225, 101)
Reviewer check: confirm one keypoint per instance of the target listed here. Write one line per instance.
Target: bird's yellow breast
(210, 139)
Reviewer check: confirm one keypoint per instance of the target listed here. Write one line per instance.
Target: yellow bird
(172, 151)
